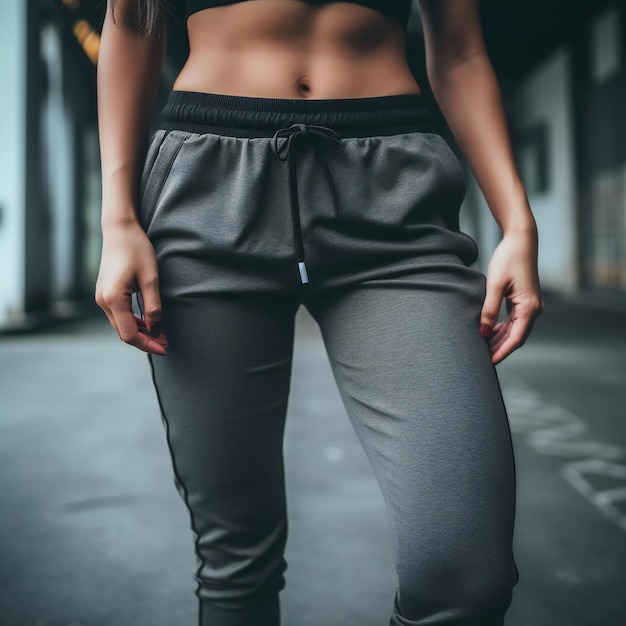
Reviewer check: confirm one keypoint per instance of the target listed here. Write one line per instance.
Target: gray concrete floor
(93, 533)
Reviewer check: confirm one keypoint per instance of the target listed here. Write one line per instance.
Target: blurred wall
(566, 116)
(49, 158)
(544, 127)
(541, 125)
(600, 100)
(12, 149)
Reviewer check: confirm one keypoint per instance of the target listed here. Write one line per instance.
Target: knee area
(237, 579)
(261, 610)
(244, 600)
(239, 583)
(473, 599)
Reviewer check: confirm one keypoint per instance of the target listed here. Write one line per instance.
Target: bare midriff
(291, 49)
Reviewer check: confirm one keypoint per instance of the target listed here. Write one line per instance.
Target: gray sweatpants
(256, 206)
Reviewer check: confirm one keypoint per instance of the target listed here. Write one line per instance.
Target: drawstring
(283, 152)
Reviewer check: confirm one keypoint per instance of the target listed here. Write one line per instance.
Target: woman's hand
(128, 265)
(512, 274)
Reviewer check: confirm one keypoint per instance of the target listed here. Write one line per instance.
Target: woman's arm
(129, 69)
(466, 89)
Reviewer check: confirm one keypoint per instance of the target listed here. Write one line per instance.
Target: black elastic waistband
(245, 116)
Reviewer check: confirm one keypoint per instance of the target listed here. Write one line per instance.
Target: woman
(297, 164)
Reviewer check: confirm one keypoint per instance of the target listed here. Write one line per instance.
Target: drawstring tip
(303, 275)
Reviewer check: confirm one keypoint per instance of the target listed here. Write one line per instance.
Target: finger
(511, 334)
(490, 309)
(128, 327)
(516, 336)
(496, 345)
(151, 299)
(162, 339)
(499, 331)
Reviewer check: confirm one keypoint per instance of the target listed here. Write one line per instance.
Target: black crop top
(398, 10)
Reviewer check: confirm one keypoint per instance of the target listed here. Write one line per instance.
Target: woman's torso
(292, 49)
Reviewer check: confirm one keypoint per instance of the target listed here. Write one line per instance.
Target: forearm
(468, 95)
(129, 68)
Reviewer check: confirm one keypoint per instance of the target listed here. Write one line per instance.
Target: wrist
(511, 210)
(522, 224)
(118, 210)
(121, 220)
(519, 218)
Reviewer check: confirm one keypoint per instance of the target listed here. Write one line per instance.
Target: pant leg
(419, 387)
(223, 390)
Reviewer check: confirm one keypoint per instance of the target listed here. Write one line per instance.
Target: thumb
(151, 298)
(490, 310)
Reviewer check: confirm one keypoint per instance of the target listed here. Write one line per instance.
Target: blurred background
(91, 530)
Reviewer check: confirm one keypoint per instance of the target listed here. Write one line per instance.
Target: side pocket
(151, 156)
(164, 148)
(452, 162)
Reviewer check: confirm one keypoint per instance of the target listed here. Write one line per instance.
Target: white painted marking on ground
(579, 475)
(556, 431)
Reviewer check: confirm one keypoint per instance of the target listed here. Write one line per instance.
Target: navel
(303, 85)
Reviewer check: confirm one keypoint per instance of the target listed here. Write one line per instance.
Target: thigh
(418, 384)
(223, 390)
